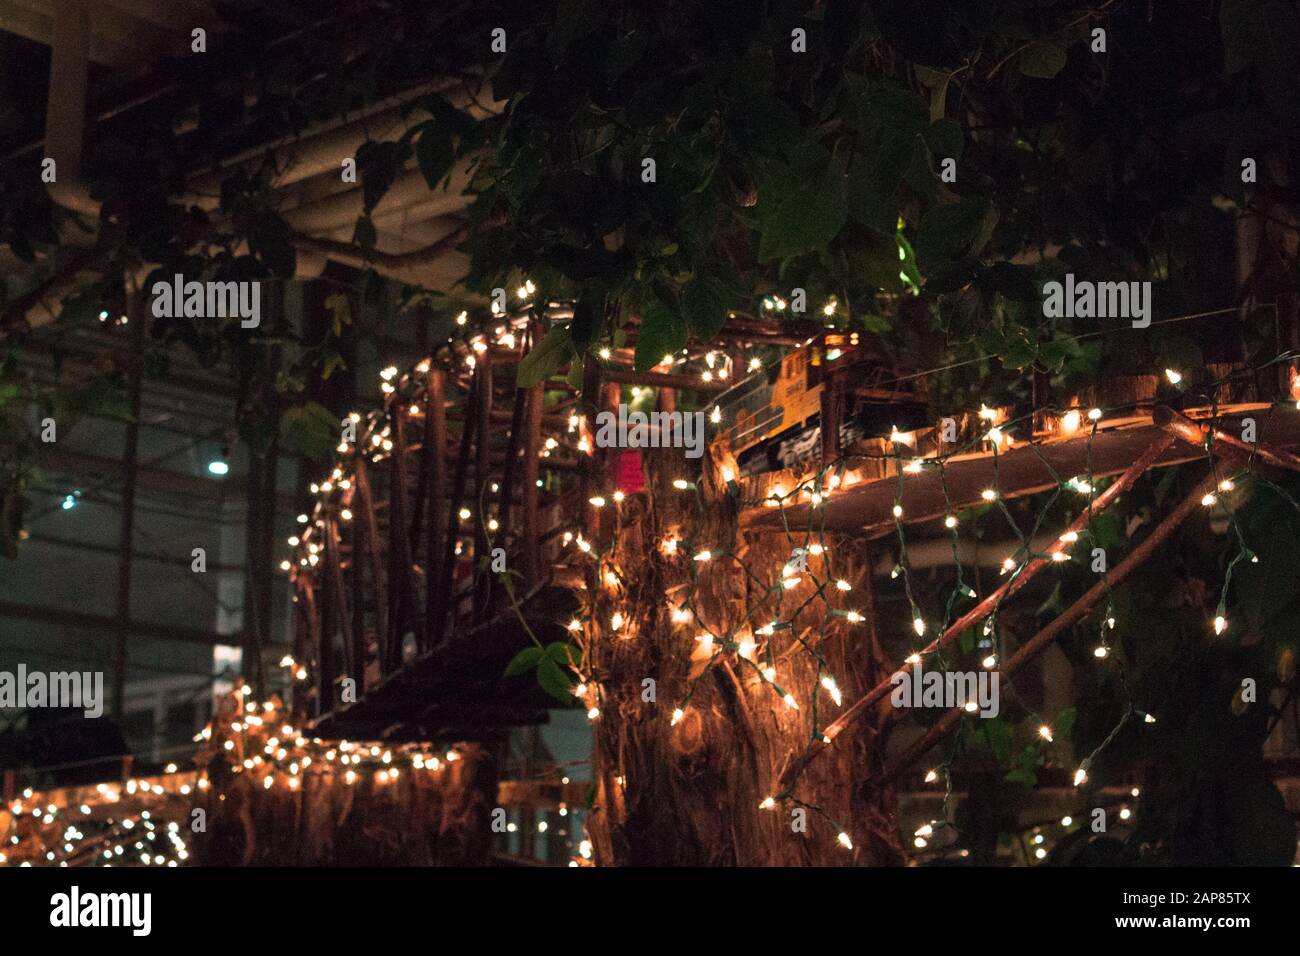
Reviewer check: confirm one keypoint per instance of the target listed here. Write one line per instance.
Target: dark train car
(772, 419)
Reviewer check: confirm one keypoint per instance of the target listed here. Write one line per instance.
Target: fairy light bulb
(1045, 732)
(767, 803)
(833, 689)
(950, 521)
(1080, 776)
(844, 840)
(842, 585)
(1071, 421)
(616, 621)
(678, 714)
(1173, 376)
(988, 494)
(790, 701)
(1220, 624)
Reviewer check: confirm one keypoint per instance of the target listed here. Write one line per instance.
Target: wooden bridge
(404, 624)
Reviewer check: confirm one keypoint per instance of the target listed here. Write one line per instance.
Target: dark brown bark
(689, 794)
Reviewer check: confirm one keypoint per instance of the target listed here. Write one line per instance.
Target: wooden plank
(364, 510)
(482, 466)
(446, 603)
(1020, 471)
(399, 544)
(532, 449)
(435, 437)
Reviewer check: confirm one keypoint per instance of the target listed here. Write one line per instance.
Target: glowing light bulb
(1220, 624)
(1045, 732)
(833, 689)
(678, 714)
(1173, 376)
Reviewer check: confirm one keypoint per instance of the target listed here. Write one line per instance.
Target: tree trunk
(689, 793)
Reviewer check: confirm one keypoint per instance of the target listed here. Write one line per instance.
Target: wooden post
(435, 452)
(363, 501)
(482, 464)
(334, 579)
(447, 600)
(532, 552)
(315, 642)
(510, 467)
(356, 656)
(831, 401)
(399, 545)
(589, 466)
(301, 645)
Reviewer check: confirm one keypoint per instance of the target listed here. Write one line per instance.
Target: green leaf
(1065, 722)
(364, 234)
(434, 153)
(704, 301)
(584, 325)
(564, 653)
(340, 312)
(803, 213)
(663, 332)
(554, 680)
(271, 240)
(310, 429)
(952, 232)
(945, 139)
(525, 660)
(936, 81)
(378, 164)
(544, 358)
(1042, 60)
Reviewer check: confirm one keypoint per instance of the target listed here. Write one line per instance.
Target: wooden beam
(1061, 623)
(868, 507)
(862, 706)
